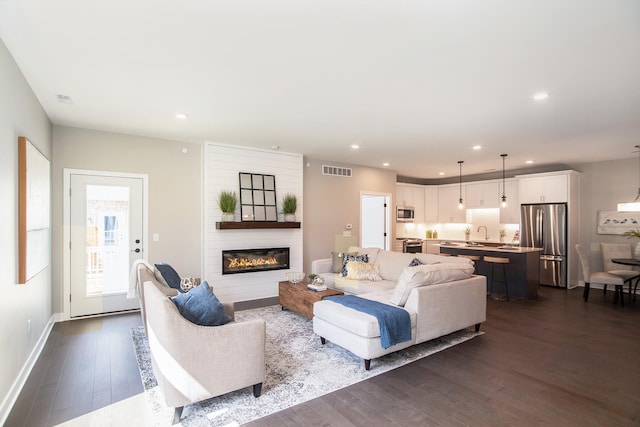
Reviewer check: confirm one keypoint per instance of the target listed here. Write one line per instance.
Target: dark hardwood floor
(86, 364)
(553, 360)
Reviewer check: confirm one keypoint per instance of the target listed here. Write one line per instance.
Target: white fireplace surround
(222, 165)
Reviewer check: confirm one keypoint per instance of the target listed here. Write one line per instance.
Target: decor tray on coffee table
(299, 299)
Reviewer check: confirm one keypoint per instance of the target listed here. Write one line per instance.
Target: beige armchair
(194, 363)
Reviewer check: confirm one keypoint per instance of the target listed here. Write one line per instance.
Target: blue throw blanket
(394, 322)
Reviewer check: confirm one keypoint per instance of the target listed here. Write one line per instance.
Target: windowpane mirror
(258, 197)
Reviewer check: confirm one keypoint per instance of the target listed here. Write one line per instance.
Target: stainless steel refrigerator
(545, 226)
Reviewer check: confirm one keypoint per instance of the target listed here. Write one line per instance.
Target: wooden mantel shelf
(246, 225)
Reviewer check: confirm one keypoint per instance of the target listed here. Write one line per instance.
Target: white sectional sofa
(441, 296)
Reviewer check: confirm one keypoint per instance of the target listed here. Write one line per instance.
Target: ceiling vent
(336, 171)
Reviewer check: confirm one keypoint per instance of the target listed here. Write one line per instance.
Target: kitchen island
(523, 270)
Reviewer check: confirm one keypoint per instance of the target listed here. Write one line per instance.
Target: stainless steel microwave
(405, 214)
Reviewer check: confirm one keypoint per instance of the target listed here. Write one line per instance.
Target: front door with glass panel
(106, 224)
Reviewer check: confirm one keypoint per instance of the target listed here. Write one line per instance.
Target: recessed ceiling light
(354, 146)
(65, 99)
(181, 116)
(529, 162)
(477, 147)
(440, 173)
(540, 96)
(385, 164)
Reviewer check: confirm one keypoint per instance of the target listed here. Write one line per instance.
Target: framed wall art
(34, 206)
(614, 222)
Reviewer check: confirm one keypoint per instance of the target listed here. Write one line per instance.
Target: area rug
(299, 368)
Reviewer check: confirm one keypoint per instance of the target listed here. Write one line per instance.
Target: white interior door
(374, 221)
(106, 227)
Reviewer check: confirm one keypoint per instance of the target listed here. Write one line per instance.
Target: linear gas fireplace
(250, 260)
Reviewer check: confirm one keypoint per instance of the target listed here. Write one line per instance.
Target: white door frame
(66, 231)
(387, 216)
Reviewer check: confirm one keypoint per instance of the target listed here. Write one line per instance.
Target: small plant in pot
(289, 207)
(467, 233)
(227, 202)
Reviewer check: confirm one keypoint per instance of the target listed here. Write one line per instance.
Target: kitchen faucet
(486, 232)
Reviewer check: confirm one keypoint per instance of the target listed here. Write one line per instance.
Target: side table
(299, 299)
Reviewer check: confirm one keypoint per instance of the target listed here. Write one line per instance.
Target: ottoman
(355, 331)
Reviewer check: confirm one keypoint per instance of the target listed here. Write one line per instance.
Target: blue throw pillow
(347, 258)
(201, 306)
(415, 262)
(170, 276)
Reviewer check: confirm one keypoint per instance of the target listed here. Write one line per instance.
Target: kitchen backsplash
(489, 218)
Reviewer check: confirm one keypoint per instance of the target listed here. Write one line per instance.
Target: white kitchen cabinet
(544, 189)
(448, 211)
(430, 204)
(510, 214)
(413, 196)
(483, 195)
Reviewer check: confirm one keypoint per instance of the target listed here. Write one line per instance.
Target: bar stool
(475, 258)
(498, 260)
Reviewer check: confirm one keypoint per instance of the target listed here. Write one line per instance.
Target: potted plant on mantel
(227, 202)
(289, 207)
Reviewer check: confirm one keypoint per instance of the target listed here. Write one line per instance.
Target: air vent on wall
(336, 171)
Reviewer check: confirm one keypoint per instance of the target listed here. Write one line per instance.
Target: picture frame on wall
(617, 223)
(34, 211)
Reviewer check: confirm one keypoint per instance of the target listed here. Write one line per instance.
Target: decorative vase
(467, 236)
(636, 251)
(228, 217)
(501, 239)
(290, 217)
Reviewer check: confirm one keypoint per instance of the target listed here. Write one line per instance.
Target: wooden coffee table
(299, 299)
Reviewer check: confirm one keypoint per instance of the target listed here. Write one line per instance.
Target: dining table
(634, 263)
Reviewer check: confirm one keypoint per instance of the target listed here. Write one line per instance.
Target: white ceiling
(415, 83)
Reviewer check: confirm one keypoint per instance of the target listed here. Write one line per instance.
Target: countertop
(492, 248)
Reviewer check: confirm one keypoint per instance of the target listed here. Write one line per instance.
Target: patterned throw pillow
(347, 258)
(415, 262)
(363, 271)
(337, 261)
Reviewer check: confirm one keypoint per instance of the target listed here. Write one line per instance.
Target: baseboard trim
(20, 381)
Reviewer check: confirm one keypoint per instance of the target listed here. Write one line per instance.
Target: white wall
(175, 192)
(20, 115)
(332, 202)
(222, 165)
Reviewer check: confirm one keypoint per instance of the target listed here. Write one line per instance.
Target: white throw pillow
(429, 274)
(363, 271)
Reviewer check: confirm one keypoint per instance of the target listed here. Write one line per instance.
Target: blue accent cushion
(170, 276)
(201, 306)
(415, 262)
(346, 258)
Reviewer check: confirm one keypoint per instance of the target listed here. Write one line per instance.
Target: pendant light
(633, 206)
(504, 195)
(460, 204)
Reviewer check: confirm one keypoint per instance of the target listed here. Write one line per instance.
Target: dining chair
(618, 250)
(598, 278)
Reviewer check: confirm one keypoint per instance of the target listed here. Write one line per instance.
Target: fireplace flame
(246, 262)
